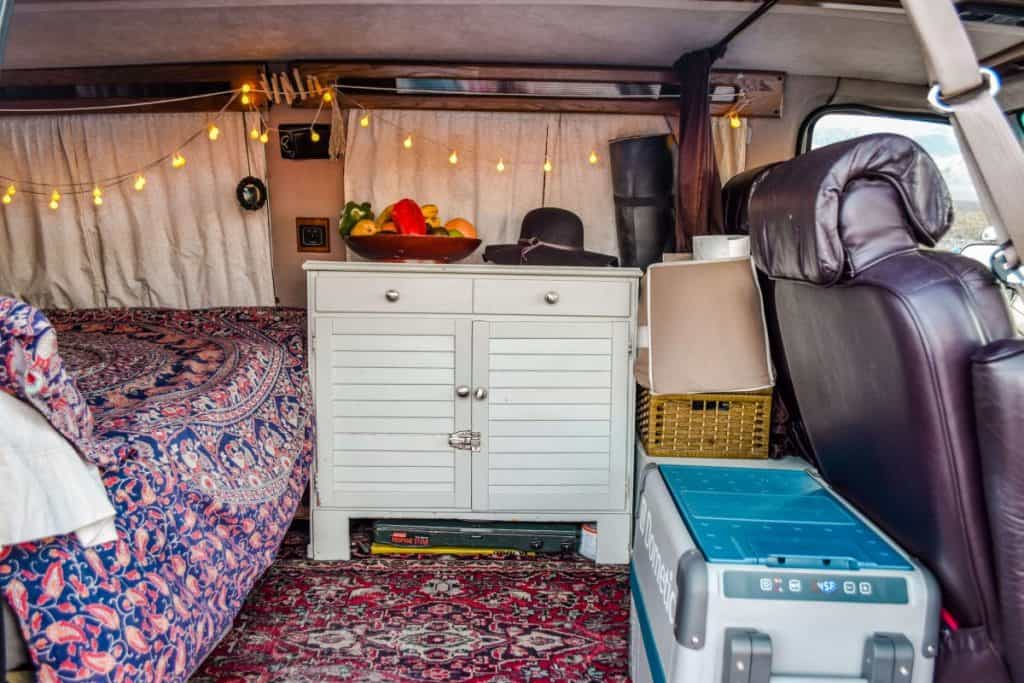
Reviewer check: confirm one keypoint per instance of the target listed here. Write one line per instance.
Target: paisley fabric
(210, 416)
(31, 369)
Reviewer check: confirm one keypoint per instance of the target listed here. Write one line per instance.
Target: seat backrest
(877, 335)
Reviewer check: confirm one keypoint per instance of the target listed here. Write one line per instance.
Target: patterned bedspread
(208, 415)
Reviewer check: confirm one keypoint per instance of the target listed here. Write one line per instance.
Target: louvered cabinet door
(387, 403)
(554, 419)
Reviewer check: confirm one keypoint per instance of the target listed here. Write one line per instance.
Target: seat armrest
(998, 375)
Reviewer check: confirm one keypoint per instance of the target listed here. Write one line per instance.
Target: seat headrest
(834, 211)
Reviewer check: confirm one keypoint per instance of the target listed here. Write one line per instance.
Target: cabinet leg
(330, 536)
(613, 539)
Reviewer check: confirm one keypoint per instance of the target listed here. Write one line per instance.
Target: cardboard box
(702, 329)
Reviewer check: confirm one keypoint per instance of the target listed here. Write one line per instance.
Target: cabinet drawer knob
(551, 297)
(480, 393)
(391, 295)
(462, 390)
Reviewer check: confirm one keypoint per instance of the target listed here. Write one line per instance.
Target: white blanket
(46, 489)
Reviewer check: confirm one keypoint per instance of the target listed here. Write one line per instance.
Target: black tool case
(525, 536)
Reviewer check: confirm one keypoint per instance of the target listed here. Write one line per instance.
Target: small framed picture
(313, 234)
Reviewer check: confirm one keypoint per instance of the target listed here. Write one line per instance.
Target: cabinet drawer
(605, 298)
(398, 294)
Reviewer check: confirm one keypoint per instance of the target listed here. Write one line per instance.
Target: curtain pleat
(730, 146)
(699, 200)
(182, 242)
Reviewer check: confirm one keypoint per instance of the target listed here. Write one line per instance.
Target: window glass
(937, 138)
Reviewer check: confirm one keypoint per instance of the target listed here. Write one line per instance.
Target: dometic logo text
(664, 576)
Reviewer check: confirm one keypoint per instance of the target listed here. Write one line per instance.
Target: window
(937, 138)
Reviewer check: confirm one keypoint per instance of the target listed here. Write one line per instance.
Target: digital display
(815, 587)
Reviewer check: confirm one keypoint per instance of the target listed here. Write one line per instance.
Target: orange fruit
(388, 227)
(461, 225)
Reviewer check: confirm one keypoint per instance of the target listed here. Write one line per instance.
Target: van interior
(494, 340)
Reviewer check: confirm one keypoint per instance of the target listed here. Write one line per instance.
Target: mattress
(210, 416)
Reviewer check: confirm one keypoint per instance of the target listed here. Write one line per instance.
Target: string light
(547, 166)
(7, 199)
(11, 190)
(407, 142)
(593, 157)
(246, 89)
(734, 120)
(177, 161)
(365, 121)
(314, 136)
(264, 137)
(246, 100)
(454, 158)
(213, 132)
(254, 133)
(97, 196)
(328, 96)
(140, 182)
(55, 200)
(501, 165)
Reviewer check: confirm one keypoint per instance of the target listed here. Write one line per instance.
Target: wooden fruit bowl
(389, 247)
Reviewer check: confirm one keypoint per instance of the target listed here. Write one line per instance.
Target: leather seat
(885, 347)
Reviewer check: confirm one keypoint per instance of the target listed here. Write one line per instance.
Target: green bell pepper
(352, 214)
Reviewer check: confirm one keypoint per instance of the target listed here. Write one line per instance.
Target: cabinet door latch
(465, 440)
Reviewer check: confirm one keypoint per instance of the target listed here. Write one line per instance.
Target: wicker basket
(704, 425)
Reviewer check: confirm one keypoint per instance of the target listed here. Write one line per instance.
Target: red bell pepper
(408, 218)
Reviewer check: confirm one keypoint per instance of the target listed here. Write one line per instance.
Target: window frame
(806, 131)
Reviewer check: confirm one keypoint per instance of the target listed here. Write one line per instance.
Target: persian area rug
(432, 619)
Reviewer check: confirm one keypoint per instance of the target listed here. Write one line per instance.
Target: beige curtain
(379, 169)
(730, 146)
(182, 242)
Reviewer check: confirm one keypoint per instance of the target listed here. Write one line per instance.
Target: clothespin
(266, 85)
(303, 92)
(273, 88)
(286, 87)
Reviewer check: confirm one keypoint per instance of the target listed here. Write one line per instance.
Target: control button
(827, 586)
(795, 586)
(865, 588)
(849, 587)
(766, 585)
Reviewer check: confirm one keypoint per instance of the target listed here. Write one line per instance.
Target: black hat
(548, 237)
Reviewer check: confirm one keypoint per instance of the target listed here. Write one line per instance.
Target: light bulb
(54, 204)
(97, 192)
(501, 165)
(11, 190)
(246, 100)
(214, 132)
(547, 166)
(254, 134)
(7, 199)
(246, 88)
(140, 182)
(593, 157)
(407, 142)
(264, 137)
(365, 121)
(454, 158)
(55, 197)
(328, 96)
(314, 136)
(177, 161)
(97, 201)
(734, 120)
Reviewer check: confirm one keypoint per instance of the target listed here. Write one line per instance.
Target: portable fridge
(764, 575)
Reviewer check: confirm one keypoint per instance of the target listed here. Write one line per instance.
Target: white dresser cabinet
(472, 392)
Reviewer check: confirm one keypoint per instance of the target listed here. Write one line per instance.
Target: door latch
(465, 440)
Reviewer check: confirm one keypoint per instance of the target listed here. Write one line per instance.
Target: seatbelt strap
(967, 95)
